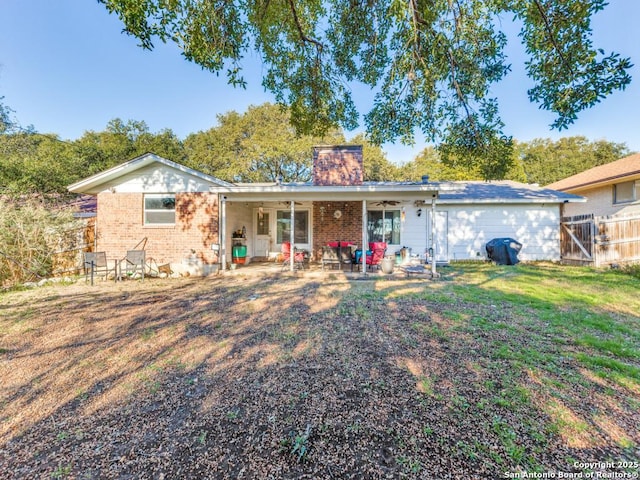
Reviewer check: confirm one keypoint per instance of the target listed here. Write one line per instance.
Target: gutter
(506, 201)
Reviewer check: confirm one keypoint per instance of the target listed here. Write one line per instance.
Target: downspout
(363, 258)
(292, 236)
(223, 232)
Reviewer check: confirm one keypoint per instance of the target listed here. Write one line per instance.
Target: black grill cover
(503, 251)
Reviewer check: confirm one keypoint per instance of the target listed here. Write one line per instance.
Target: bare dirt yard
(488, 372)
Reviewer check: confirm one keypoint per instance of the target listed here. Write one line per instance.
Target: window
(263, 223)
(301, 231)
(384, 226)
(159, 209)
(624, 192)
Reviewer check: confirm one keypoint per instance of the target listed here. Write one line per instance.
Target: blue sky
(65, 68)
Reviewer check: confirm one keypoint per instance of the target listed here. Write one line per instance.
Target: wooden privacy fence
(70, 245)
(599, 241)
(50, 253)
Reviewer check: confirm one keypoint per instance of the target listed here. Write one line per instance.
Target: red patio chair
(378, 250)
(298, 257)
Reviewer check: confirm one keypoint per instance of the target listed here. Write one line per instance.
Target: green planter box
(238, 253)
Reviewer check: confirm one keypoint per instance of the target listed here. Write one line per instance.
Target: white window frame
(297, 212)
(633, 197)
(384, 213)
(146, 210)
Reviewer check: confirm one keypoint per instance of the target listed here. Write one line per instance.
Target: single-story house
(187, 217)
(610, 189)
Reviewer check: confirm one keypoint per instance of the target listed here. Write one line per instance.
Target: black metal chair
(337, 253)
(329, 257)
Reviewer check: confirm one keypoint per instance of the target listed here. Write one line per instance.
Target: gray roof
(504, 192)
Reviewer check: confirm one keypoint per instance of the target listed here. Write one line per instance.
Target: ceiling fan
(386, 203)
(289, 203)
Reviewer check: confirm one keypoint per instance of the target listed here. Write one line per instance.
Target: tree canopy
(376, 167)
(260, 145)
(6, 123)
(542, 161)
(546, 161)
(122, 141)
(256, 146)
(32, 162)
(431, 63)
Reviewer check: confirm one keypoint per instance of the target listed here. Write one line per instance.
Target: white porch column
(292, 236)
(223, 232)
(433, 237)
(365, 242)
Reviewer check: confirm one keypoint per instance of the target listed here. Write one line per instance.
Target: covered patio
(312, 269)
(259, 218)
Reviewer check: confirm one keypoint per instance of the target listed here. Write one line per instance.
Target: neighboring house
(184, 216)
(604, 229)
(610, 189)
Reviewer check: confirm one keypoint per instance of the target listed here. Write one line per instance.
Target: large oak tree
(258, 145)
(431, 63)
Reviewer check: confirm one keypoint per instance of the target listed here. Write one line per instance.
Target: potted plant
(386, 265)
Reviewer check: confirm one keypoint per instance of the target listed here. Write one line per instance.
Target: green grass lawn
(485, 372)
(590, 316)
(554, 337)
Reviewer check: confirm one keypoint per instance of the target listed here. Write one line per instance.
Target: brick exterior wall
(326, 228)
(120, 227)
(338, 165)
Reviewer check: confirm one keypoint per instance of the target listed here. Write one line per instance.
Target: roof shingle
(625, 167)
(505, 191)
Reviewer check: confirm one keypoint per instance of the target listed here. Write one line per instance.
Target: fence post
(594, 246)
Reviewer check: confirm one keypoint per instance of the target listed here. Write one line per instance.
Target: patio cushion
(340, 244)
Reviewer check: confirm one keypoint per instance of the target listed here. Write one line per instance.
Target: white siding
(470, 227)
(157, 178)
(414, 230)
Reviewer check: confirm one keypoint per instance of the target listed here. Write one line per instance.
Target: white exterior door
(262, 240)
(442, 235)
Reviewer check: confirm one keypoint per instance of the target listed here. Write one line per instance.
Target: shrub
(29, 233)
(632, 269)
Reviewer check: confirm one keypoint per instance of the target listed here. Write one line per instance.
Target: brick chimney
(337, 165)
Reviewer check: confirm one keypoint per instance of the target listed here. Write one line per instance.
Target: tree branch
(303, 36)
(551, 36)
